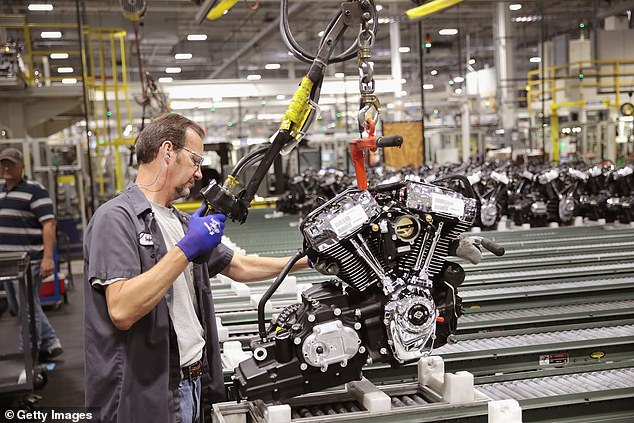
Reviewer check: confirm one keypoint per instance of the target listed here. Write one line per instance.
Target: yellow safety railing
(611, 76)
(607, 74)
(103, 46)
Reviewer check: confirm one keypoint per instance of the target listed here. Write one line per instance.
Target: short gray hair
(169, 127)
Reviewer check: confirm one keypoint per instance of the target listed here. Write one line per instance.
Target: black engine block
(393, 296)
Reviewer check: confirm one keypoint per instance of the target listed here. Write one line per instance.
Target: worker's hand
(47, 267)
(467, 248)
(203, 235)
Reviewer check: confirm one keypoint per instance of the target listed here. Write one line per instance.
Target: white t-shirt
(183, 307)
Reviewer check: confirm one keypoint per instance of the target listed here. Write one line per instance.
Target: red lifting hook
(359, 146)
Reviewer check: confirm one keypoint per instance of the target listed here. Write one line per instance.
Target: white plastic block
(224, 279)
(373, 399)
(235, 418)
(502, 224)
(288, 285)
(601, 221)
(255, 299)
(232, 350)
(578, 221)
(453, 388)
(458, 387)
(476, 229)
(505, 411)
(431, 372)
(241, 289)
(223, 332)
(526, 225)
(553, 225)
(278, 413)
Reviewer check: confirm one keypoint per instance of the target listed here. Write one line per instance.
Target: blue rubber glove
(203, 234)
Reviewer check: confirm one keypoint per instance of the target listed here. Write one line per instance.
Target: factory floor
(65, 387)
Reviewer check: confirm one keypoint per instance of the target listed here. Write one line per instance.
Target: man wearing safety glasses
(152, 351)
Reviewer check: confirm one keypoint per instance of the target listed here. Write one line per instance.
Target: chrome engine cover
(488, 212)
(331, 342)
(410, 323)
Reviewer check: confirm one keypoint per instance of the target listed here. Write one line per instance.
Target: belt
(192, 371)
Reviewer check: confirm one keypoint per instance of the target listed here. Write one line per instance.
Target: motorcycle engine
(392, 297)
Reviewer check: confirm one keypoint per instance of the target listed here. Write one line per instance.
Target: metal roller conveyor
(591, 396)
(560, 232)
(559, 249)
(569, 286)
(476, 320)
(530, 338)
(518, 263)
(556, 238)
(559, 271)
(547, 387)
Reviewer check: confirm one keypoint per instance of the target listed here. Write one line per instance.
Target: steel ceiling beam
(273, 25)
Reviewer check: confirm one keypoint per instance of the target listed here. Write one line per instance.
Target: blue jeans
(189, 398)
(44, 331)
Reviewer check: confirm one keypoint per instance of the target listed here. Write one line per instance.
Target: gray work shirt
(133, 375)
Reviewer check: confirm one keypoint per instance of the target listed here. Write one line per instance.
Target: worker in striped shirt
(27, 223)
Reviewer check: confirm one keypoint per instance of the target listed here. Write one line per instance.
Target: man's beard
(183, 191)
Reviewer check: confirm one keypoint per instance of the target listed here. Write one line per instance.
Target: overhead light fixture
(67, 69)
(321, 34)
(280, 97)
(59, 56)
(254, 77)
(196, 37)
(217, 99)
(289, 53)
(458, 79)
(472, 61)
(403, 49)
(165, 79)
(535, 59)
(434, 72)
(173, 70)
(272, 66)
(40, 7)
(390, 105)
(458, 90)
(183, 56)
(339, 75)
(515, 6)
(448, 31)
(532, 18)
(379, 7)
(69, 80)
(403, 93)
(385, 20)
(403, 81)
(428, 86)
(51, 34)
